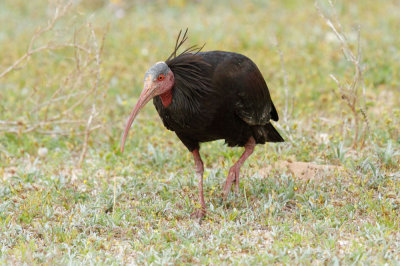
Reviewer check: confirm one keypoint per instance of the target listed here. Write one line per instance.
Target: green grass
(52, 211)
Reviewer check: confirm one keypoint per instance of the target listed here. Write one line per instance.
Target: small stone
(42, 152)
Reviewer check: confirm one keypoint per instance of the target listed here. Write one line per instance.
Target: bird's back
(238, 75)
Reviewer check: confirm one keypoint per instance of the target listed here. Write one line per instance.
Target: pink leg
(199, 171)
(235, 169)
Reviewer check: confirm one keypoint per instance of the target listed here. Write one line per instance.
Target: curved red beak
(146, 95)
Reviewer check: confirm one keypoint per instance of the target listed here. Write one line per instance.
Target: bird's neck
(166, 98)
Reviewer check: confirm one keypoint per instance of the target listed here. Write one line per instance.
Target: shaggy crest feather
(179, 42)
(191, 72)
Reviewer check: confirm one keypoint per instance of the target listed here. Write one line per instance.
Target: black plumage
(218, 95)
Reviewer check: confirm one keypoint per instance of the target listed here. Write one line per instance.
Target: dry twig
(58, 13)
(59, 111)
(349, 91)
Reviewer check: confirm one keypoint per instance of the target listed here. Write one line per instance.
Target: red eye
(161, 77)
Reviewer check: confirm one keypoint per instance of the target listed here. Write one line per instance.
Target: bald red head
(158, 80)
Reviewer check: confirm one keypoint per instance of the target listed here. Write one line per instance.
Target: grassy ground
(134, 207)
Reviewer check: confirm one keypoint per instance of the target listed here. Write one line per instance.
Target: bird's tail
(266, 133)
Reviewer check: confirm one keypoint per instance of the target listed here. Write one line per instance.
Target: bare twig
(93, 114)
(54, 100)
(59, 12)
(87, 133)
(350, 90)
(57, 110)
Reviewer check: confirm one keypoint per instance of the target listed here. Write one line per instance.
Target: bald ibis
(206, 96)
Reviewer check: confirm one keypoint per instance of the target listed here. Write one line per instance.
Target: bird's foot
(233, 176)
(199, 214)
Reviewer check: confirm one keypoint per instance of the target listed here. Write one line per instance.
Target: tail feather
(274, 113)
(266, 133)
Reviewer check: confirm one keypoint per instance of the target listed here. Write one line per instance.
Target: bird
(207, 96)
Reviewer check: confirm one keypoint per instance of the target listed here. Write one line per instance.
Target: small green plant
(389, 154)
(339, 151)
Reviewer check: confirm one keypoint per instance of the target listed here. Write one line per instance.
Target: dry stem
(75, 92)
(350, 90)
(58, 13)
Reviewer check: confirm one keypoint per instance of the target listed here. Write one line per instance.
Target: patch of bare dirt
(303, 170)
